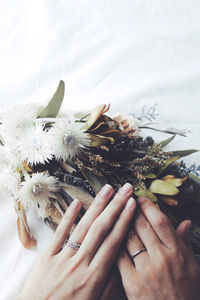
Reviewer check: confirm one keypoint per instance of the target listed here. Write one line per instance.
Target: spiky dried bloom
(37, 190)
(15, 121)
(128, 124)
(34, 146)
(67, 139)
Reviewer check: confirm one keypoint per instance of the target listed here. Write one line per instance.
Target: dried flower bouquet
(50, 159)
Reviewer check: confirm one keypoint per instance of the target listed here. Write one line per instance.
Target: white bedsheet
(131, 53)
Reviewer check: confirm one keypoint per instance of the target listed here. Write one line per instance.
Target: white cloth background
(130, 53)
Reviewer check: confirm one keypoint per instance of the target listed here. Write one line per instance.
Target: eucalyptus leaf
(183, 153)
(145, 193)
(97, 182)
(53, 107)
(167, 141)
(163, 188)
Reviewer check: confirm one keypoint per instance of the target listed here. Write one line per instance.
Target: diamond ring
(73, 245)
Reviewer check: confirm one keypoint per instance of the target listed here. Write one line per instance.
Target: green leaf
(166, 142)
(163, 188)
(145, 193)
(183, 153)
(194, 177)
(53, 107)
(151, 176)
(96, 182)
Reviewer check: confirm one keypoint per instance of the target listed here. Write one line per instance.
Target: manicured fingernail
(75, 204)
(130, 204)
(106, 191)
(126, 189)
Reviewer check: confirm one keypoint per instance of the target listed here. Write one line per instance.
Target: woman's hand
(65, 273)
(167, 269)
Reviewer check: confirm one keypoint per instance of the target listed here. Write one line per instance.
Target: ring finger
(64, 228)
(133, 246)
(98, 205)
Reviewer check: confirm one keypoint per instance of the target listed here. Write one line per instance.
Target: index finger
(159, 222)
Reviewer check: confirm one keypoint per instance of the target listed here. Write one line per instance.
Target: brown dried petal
(169, 201)
(80, 194)
(24, 232)
(95, 114)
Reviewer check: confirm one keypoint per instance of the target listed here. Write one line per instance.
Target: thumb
(183, 232)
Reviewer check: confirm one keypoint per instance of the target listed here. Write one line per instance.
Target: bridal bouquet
(49, 158)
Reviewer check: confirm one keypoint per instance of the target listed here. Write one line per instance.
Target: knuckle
(143, 225)
(162, 222)
(84, 226)
(115, 239)
(98, 203)
(100, 226)
(119, 199)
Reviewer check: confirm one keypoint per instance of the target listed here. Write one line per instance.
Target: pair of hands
(166, 270)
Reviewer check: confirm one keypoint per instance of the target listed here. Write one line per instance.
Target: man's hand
(167, 270)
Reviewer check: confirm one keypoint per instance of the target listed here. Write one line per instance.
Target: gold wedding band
(138, 252)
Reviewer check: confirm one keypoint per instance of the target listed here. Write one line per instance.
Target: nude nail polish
(75, 204)
(105, 191)
(126, 189)
(130, 204)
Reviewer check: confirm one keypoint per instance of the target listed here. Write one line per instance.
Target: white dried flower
(67, 138)
(34, 148)
(12, 158)
(127, 123)
(36, 190)
(9, 182)
(2, 157)
(15, 120)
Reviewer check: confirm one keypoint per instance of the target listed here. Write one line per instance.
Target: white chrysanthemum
(34, 147)
(67, 138)
(127, 123)
(9, 182)
(36, 190)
